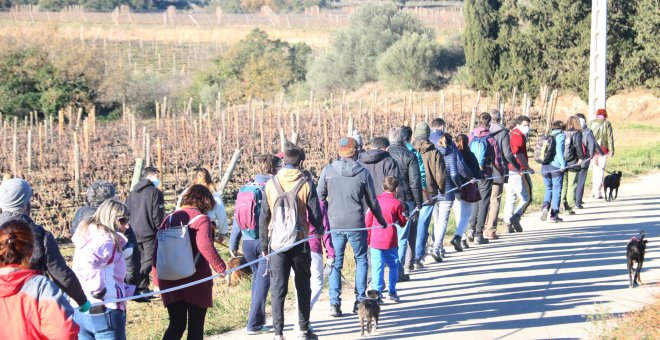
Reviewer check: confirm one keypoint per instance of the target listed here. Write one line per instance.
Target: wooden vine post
(76, 169)
(230, 169)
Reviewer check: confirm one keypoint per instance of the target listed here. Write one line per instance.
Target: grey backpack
(284, 228)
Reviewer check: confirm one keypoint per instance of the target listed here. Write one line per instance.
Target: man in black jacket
(411, 195)
(146, 204)
(46, 258)
(379, 162)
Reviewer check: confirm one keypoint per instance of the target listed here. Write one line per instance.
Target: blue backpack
(479, 147)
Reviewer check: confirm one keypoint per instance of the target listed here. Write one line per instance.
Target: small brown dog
(369, 312)
(236, 276)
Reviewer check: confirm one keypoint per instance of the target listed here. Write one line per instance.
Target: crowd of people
(380, 200)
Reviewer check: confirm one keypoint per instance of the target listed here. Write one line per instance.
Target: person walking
(347, 189)
(468, 196)
(101, 268)
(147, 207)
(553, 173)
(574, 154)
(602, 130)
(519, 185)
(592, 148)
(503, 139)
(434, 167)
(425, 214)
(217, 215)
(187, 307)
(383, 241)
(31, 306)
(290, 181)
(246, 227)
(486, 150)
(15, 195)
(445, 200)
(411, 194)
(379, 162)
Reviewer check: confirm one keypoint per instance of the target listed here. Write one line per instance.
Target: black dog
(369, 312)
(612, 182)
(635, 253)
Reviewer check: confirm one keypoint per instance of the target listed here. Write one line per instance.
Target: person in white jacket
(217, 215)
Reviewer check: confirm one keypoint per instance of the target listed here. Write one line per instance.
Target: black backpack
(545, 150)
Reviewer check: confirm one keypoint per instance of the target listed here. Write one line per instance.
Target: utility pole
(598, 57)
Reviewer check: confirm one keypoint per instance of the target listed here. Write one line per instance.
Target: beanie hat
(15, 194)
(99, 192)
(601, 112)
(347, 147)
(422, 130)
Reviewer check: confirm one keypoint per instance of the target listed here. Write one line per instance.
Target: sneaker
(279, 337)
(356, 307)
(556, 219)
(470, 236)
(411, 267)
(393, 297)
(579, 206)
(436, 255)
(143, 300)
(404, 277)
(544, 214)
(442, 252)
(570, 212)
(481, 240)
(515, 223)
(335, 311)
(510, 229)
(262, 330)
(465, 244)
(308, 334)
(419, 265)
(456, 242)
(492, 236)
(598, 197)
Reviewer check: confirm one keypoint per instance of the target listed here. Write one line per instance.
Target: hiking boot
(515, 222)
(481, 240)
(404, 277)
(556, 219)
(419, 265)
(492, 236)
(544, 214)
(393, 297)
(335, 311)
(411, 267)
(465, 244)
(308, 334)
(510, 229)
(456, 242)
(470, 236)
(437, 256)
(262, 330)
(356, 307)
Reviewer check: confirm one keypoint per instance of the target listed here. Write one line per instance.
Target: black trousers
(480, 210)
(281, 264)
(146, 250)
(182, 314)
(581, 182)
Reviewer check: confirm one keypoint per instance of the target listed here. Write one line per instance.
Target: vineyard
(62, 155)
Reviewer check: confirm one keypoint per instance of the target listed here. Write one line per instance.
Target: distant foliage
(410, 63)
(248, 6)
(256, 67)
(528, 44)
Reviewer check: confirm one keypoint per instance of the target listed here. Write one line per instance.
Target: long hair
(106, 218)
(16, 243)
(573, 124)
(203, 177)
(463, 144)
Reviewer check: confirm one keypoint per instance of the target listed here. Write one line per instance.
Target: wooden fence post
(230, 169)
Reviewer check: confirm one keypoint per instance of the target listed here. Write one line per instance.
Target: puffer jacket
(33, 307)
(452, 178)
(100, 266)
(573, 142)
(434, 165)
(503, 139)
(47, 259)
(380, 165)
(411, 181)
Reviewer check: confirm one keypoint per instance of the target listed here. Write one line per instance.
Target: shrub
(409, 64)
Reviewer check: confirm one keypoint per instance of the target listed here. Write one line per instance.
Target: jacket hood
(481, 132)
(12, 282)
(289, 175)
(495, 128)
(261, 178)
(141, 185)
(6, 216)
(373, 156)
(347, 167)
(423, 146)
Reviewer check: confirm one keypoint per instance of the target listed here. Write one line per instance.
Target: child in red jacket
(383, 242)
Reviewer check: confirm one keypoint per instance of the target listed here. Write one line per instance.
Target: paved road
(541, 284)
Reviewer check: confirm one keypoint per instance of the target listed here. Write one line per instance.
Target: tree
(480, 41)
(409, 64)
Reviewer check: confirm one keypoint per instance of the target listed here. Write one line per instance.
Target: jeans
(494, 207)
(297, 258)
(598, 164)
(358, 241)
(316, 282)
(110, 325)
(423, 223)
(408, 231)
(440, 225)
(183, 314)
(519, 188)
(260, 285)
(379, 259)
(552, 182)
(568, 189)
(146, 259)
(581, 182)
(480, 209)
(462, 210)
